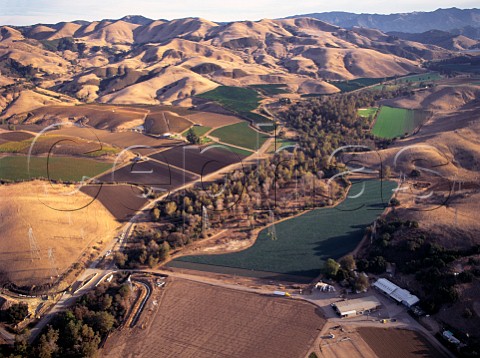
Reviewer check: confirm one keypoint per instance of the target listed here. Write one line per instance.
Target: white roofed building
(395, 292)
(357, 306)
(385, 286)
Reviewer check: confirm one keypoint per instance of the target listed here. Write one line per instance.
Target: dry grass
(97, 116)
(38, 205)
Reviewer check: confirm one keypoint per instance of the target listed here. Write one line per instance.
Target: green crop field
(241, 101)
(261, 122)
(241, 135)
(198, 130)
(15, 168)
(236, 99)
(424, 77)
(304, 243)
(367, 112)
(384, 88)
(396, 122)
(352, 85)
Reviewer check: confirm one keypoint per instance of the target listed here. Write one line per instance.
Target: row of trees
(78, 331)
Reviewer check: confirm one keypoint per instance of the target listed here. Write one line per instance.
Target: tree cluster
(77, 332)
(346, 274)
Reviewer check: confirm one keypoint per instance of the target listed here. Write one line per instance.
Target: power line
(34, 250)
(51, 258)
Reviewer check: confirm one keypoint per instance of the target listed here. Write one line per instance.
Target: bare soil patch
(200, 320)
(136, 141)
(16, 136)
(122, 201)
(162, 177)
(200, 160)
(97, 116)
(213, 120)
(166, 122)
(398, 343)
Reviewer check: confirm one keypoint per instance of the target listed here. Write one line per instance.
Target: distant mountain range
(457, 21)
(447, 40)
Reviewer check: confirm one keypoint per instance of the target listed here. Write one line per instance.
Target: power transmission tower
(272, 232)
(34, 250)
(205, 221)
(51, 258)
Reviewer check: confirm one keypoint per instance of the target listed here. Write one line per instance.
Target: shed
(357, 306)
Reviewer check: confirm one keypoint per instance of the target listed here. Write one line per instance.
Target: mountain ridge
(450, 19)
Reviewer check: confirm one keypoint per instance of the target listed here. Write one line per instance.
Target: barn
(395, 292)
(355, 307)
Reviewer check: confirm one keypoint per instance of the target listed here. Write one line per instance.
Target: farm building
(358, 306)
(397, 293)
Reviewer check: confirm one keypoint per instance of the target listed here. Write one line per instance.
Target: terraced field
(303, 243)
(397, 122)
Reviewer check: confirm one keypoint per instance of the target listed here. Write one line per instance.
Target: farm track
(142, 303)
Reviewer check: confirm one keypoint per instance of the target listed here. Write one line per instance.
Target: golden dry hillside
(136, 61)
(38, 254)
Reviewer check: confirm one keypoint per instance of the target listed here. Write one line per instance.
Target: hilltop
(136, 60)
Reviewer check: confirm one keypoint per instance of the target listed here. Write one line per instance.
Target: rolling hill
(136, 60)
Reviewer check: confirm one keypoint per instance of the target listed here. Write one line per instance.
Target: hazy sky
(25, 12)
